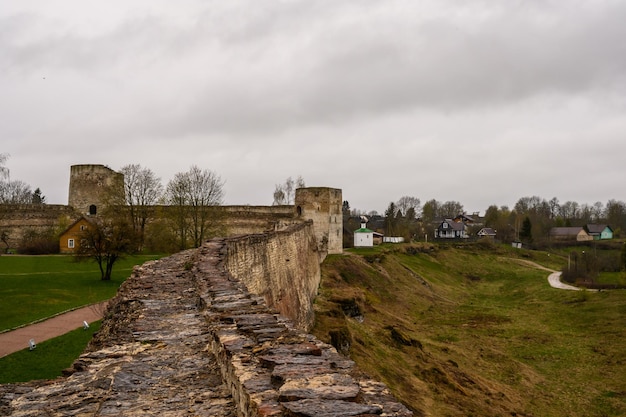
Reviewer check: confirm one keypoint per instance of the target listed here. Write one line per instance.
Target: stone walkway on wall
(151, 359)
(182, 338)
(274, 369)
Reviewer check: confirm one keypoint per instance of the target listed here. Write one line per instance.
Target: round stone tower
(92, 186)
(323, 206)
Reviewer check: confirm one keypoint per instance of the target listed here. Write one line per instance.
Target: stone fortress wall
(183, 336)
(18, 219)
(219, 330)
(283, 267)
(88, 196)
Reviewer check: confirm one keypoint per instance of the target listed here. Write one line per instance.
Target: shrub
(38, 243)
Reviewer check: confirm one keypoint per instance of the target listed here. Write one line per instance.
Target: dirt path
(18, 339)
(554, 278)
(555, 282)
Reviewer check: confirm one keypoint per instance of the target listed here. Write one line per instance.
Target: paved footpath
(17, 339)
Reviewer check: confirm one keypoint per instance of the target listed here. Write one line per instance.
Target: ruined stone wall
(19, 219)
(281, 266)
(237, 220)
(183, 337)
(241, 220)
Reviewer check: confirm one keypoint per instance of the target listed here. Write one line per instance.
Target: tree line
(530, 219)
(16, 191)
(144, 215)
(149, 216)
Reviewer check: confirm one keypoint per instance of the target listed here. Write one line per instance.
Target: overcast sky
(476, 101)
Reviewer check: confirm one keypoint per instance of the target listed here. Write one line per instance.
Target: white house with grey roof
(450, 229)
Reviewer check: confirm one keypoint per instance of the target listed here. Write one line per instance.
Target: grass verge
(35, 287)
(48, 359)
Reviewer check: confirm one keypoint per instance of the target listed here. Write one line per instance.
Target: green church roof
(364, 230)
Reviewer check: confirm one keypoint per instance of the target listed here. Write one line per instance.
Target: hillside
(475, 330)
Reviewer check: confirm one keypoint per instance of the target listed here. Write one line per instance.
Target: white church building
(363, 237)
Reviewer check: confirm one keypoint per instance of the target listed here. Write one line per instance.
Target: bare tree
(15, 192)
(176, 196)
(4, 171)
(597, 211)
(554, 207)
(570, 210)
(407, 202)
(280, 199)
(142, 190)
(285, 193)
(451, 209)
(615, 213)
(106, 240)
(193, 195)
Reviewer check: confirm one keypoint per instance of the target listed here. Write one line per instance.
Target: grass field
(477, 331)
(48, 359)
(36, 287)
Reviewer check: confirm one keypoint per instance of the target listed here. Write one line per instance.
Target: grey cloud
(372, 65)
(262, 83)
(246, 69)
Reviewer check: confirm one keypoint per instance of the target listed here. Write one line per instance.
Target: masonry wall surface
(92, 184)
(237, 220)
(19, 219)
(323, 206)
(281, 266)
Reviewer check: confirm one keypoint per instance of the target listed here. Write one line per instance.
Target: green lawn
(48, 359)
(35, 287)
(616, 278)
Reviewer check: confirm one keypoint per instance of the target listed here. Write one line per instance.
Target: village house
(450, 229)
(599, 231)
(487, 232)
(69, 241)
(468, 220)
(579, 234)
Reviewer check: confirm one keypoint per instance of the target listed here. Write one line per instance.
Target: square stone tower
(323, 206)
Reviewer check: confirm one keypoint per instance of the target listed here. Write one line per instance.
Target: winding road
(554, 278)
(555, 281)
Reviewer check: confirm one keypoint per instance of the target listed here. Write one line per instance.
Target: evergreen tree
(526, 232)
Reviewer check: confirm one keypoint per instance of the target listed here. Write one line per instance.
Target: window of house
(82, 227)
(92, 210)
(70, 243)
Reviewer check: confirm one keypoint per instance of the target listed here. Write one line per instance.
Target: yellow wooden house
(71, 237)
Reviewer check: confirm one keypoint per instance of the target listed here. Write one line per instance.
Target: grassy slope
(35, 287)
(461, 331)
